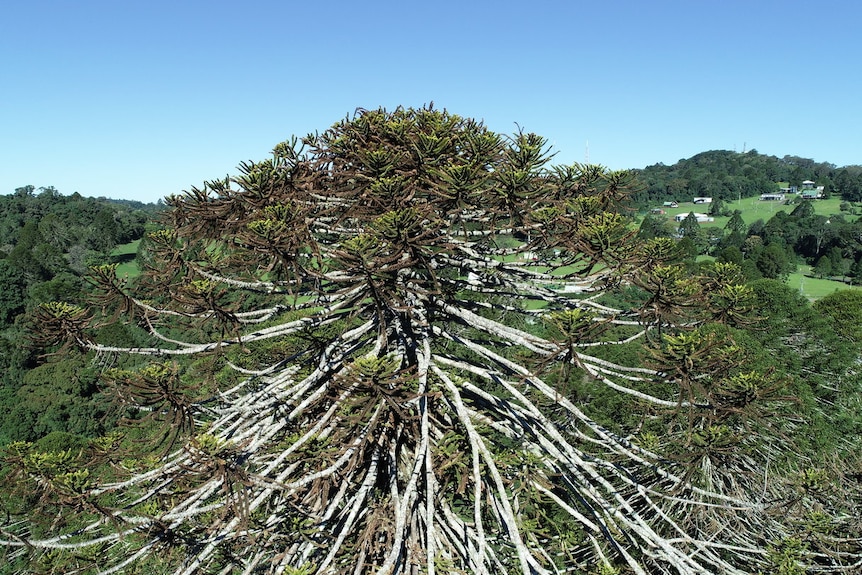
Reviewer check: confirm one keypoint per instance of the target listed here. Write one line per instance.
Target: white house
(702, 201)
(772, 197)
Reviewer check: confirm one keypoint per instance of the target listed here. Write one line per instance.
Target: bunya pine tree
(390, 348)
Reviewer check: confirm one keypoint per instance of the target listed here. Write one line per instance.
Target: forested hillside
(408, 345)
(729, 175)
(792, 232)
(48, 242)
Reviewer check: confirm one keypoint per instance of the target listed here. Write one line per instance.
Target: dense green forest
(48, 242)
(411, 345)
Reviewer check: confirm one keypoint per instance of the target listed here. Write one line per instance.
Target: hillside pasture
(754, 209)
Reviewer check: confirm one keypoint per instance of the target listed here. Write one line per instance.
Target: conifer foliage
(408, 299)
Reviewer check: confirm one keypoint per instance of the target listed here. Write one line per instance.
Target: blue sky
(139, 100)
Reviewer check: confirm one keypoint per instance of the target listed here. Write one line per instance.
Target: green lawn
(813, 287)
(754, 209)
(124, 255)
(126, 249)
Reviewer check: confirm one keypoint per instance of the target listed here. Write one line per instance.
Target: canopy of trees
(410, 345)
(47, 244)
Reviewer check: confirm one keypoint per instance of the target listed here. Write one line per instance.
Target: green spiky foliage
(394, 297)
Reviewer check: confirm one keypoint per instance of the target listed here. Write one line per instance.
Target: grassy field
(815, 288)
(754, 209)
(124, 255)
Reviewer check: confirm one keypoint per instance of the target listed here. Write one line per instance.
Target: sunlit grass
(127, 264)
(754, 209)
(813, 287)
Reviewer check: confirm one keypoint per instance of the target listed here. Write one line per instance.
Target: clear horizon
(138, 101)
